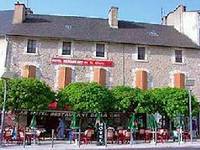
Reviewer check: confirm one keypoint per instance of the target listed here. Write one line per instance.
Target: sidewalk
(66, 146)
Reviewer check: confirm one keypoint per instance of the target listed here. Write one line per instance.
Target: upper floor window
(66, 48)
(31, 46)
(100, 50)
(178, 56)
(141, 53)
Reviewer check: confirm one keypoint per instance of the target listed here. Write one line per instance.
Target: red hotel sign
(80, 62)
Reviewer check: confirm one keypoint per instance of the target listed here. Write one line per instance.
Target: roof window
(153, 33)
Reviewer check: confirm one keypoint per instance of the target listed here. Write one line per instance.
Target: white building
(187, 22)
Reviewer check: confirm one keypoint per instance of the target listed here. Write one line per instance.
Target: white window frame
(37, 47)
(174, 57)
(146, 54)
(60, 48)
(105, 52)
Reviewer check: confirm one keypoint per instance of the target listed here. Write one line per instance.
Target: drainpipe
(7, 49)
(123, 66)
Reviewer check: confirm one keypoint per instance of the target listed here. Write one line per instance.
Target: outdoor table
(29, 136)
(74, 135)
(186, 135)
(161, 136)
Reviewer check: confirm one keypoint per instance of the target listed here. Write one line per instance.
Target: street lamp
(6, 76)
(189, 84)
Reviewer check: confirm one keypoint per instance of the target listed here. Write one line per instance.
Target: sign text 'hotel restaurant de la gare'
(81, 62)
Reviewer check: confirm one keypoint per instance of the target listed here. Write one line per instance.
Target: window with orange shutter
(141, 79)
(64, 77)
(100, 76)
(29, 71)
(179, 80)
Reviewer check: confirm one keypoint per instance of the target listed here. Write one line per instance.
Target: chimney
(19, 13)
(113, 17)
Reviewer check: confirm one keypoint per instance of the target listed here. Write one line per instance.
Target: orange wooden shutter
(141, 80)
(100, 76)
(32, 71)
(29, 71)
(64, 77)
(179, 80)
(25, 71)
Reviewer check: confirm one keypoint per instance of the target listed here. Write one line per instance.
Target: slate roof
(94, 29)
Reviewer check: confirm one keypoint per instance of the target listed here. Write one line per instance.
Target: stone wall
(159, 64)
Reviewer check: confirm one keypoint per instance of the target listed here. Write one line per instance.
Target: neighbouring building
(186, 22)
(112, 52)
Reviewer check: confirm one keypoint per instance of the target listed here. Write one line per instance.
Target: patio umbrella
(33, 122)
(74, 121)
(98, 118)
(179, 122)
(133, 126)
(133, 122)
(152, 123)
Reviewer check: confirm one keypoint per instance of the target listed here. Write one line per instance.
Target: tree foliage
(168, 101)
(176, 102)
(86, 97)
(1, 91)
(29, 94)
(126, 98)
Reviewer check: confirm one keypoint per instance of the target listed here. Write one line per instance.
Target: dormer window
(100, 50)
(31, 46)
(66, 48)
(178, 56)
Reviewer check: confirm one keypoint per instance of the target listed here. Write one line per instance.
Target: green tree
(176, 102)
(126, 98)
(30, 94)
(86, 97)
(1, 93)
(167, 101)
(152, 102)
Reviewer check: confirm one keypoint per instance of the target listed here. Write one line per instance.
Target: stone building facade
(136, 55)
(159, 65)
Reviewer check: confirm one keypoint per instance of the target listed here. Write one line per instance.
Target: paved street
(142, 146)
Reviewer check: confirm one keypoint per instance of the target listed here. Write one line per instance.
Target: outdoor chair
(7, 135)
(110, 135)
(127, 137)
(148, 135)
(141, 134)
(174, 135)
(87, 136)
(20, 137)
(121, 136)
(160, 135)
(166, 135)
(186, 135)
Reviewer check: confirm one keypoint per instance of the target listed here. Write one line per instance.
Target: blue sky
(134, 10)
